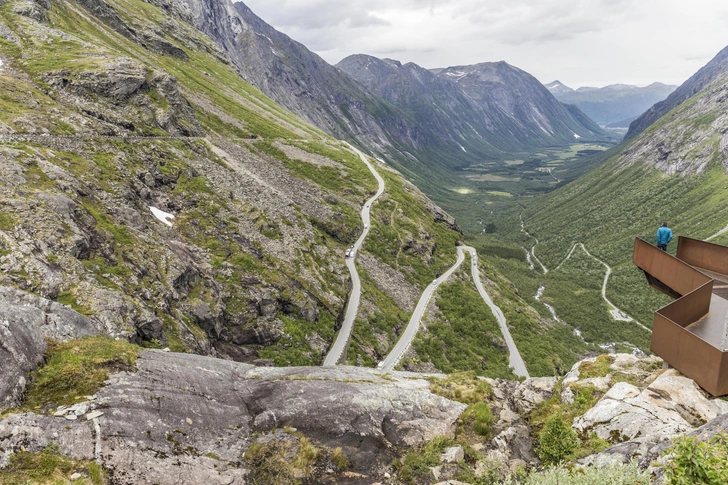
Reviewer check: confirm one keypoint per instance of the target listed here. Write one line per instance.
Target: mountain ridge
(689, 88)
(612, 103)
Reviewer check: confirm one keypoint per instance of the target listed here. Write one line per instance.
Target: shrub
(697, 461)
(339, 459)
(464, 387)
(483, 417)
(48, 466)
(557, 440)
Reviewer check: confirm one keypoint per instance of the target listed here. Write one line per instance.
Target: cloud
(577, 41)
(519, 22)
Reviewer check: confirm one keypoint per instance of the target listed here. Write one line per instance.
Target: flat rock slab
(166, 422)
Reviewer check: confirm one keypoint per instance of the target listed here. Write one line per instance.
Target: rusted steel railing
(684, 332)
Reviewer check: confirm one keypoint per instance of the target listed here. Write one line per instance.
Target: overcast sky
(579, 42)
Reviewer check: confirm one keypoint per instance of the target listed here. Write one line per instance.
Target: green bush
(556, 441)
(697, 461)
(49, 466)
(415, 466)
(77, 368)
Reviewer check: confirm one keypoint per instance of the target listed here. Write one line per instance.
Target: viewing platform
(691, 333)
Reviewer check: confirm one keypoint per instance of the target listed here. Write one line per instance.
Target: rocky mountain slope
(615, 105)
(519, 105)
(493, 103)
(174, 418)
(422, 144)
(151, 189)
(698, 82)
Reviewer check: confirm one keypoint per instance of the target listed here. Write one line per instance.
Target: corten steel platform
(690, 333)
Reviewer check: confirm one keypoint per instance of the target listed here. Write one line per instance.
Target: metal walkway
(691, 333)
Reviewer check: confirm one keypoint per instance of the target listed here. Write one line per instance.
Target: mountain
(613, 104)
(444, 113)
(117, 117)
(424, 145)
(673, 170)
(153, 198)
(707, 75)
(519, 105)
(491, 102)
(558, 88)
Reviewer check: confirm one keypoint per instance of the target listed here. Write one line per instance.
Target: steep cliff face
(686, 132)
(292, 75)
(710, 74)
(519, 105)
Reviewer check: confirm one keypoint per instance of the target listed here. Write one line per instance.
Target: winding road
(616, 313)
(533, 249)
(515, 360)
(342, 339)
(405, 340)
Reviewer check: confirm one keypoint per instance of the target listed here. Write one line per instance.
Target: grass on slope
(75, 369)
(467, 337)
(405, 235)
(606, 210)
(50, 467)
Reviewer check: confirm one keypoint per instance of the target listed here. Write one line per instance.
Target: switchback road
(342, 339)
(515, 360)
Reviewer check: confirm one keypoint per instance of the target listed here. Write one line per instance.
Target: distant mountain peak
(614, 103)
(558, 87)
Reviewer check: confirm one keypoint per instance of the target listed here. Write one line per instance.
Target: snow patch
(463, 149)
(161, 215)
(576, 136)
(265, 37)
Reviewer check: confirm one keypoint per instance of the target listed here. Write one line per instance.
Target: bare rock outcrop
(26, 321)
(165, 423)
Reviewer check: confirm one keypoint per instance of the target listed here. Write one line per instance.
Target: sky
(578, 42)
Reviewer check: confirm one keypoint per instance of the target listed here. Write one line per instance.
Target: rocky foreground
(182, 418)
(190, 419)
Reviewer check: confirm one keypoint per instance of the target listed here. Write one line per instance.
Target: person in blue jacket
(664, 236)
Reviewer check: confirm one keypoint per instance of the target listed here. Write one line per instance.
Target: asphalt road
(515, 360)
(405, 340)
(342, 339)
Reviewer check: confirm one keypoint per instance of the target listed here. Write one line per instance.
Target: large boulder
(671, 405)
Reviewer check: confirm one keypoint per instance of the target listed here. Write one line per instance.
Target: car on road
(366, 226)
(348, 253)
